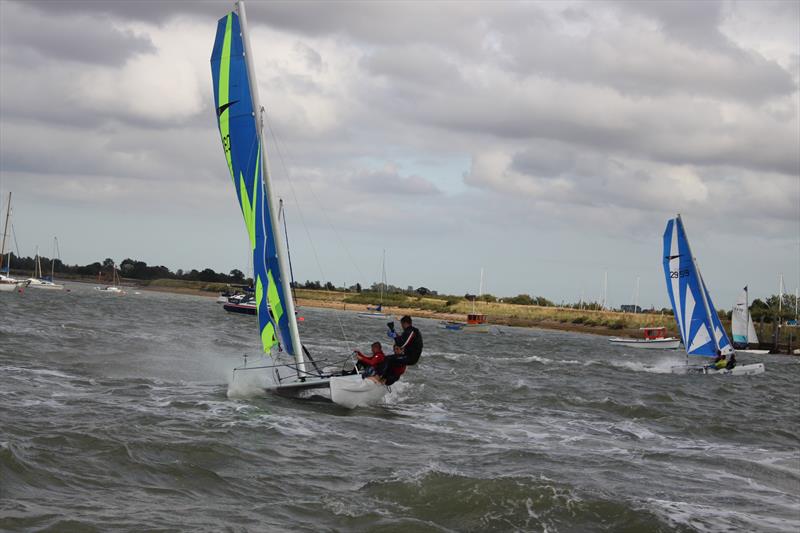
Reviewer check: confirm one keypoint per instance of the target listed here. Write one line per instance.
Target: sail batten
(239, 125)
(695, 315)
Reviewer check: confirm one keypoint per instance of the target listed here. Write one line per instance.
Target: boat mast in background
(5, 231)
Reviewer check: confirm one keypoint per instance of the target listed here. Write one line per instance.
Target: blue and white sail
(695, 314)
(240, 125)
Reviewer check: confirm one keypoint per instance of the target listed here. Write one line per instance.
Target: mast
(37, 265)
(747, 312)
(53, 259)
(383, 276)
(273, 212)
(710, 322)
(5, 230)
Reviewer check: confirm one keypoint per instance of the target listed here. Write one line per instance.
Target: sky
(544, 142)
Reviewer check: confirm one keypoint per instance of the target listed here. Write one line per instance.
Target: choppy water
(114, 416)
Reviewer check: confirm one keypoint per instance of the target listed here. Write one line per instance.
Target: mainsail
(695, 315)
(744, 332)
(240, 126)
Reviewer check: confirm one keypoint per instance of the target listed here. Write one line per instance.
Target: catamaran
(240, 119)
(695, 314)
(744, 332)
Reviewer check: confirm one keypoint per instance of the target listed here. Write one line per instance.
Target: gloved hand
(391, 334)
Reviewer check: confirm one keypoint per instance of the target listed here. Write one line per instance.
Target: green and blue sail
(243, 152)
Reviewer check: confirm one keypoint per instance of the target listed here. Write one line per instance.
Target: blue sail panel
(684, 287)
(243, 152)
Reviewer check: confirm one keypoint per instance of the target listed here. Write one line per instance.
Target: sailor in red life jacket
(370, 363)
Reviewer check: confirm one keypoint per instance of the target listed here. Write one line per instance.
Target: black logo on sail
(223, 107)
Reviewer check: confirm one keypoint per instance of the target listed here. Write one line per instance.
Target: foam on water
(542, 431)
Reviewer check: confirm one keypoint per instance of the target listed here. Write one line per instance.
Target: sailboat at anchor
(240, 119)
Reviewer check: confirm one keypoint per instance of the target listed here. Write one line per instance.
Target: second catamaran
(240, 118)
(695, 314)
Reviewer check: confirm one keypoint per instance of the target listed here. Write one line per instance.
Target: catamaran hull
(374, 315)
(754, 352)
(353, 391)
(349, 391)
(740, 370)
(657, 344)
(8, 287)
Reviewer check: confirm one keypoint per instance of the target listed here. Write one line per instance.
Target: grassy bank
(456, 308)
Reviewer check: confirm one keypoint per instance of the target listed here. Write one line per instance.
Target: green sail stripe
(274, 300)
(223, 92)
(248, 211)
(259, 292)
(268, 339)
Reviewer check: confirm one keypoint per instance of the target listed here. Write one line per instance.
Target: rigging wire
(319, 204)
(305, 225)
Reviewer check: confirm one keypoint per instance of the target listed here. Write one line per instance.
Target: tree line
(766, 309)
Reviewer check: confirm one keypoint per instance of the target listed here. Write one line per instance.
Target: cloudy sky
(547, 142)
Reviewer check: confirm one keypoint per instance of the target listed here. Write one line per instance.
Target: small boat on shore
(114, 288)
(476, 323)
(377, 311)
(654, 339)
(243, 304)
(7, 283)
(39, 281)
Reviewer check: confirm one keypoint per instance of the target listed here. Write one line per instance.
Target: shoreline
(616, 324)
(397, 312)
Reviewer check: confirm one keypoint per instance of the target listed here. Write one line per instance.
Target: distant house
(630, 309)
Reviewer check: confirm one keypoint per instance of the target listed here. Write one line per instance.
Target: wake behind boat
(695, 314)
(240, 118)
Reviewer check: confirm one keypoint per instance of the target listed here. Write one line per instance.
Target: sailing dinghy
(744, 332)
(240, 118)
(695, 314)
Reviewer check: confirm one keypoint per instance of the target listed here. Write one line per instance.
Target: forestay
(695, 314)
(240, 131)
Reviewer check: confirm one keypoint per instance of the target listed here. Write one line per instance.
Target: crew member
(407, 349)
(731, 362)
(369, 364)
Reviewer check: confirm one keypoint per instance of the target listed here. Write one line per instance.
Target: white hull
(739, 370)
(8, 287)
(670, 343)
(374, 315)
(44, 284)
(348, 391)
(754, 352)
(353, 391)
(111, 290)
